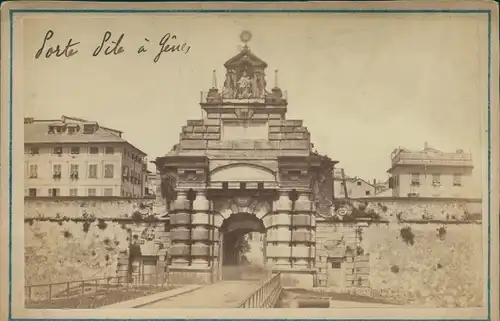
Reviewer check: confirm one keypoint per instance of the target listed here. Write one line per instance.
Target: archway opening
(243, 248)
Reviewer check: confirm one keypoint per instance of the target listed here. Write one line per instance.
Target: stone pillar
(180, 221)
(303, 232)
(200, 231)
(278, 232)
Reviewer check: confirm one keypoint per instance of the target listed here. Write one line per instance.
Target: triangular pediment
(245, 57)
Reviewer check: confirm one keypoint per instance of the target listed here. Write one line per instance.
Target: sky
(363, 84)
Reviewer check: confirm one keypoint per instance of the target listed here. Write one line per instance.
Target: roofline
(85, 120)
(88, 143)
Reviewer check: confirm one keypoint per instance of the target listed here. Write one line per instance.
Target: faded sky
(363, 84)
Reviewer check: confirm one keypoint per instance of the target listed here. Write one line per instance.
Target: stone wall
(75, 238)
(432, 270)
(421, 209)
(412, 263)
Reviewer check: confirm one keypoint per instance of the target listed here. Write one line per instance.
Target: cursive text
(48, 51)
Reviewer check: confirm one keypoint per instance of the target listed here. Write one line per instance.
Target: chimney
(374, 181)
(426, 145)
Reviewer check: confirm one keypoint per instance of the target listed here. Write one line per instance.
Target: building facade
(75, 157)
(352, 187)
(431, 173)
(151, 184)
(244, 167)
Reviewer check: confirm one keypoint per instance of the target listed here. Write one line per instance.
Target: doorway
(243, 247)
(335, 273)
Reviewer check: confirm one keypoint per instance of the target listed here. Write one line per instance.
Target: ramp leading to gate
(226, 294)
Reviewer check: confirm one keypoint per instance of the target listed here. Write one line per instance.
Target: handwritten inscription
(48, 51)
(108, 45)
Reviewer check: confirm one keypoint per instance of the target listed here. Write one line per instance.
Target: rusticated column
(278, 232)
(200, 231)
(303, 232)
(180, 221)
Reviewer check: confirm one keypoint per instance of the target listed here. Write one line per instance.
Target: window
(108, 192)
(243, 185)
(125, 173)
(32, 192)
(415, 179)
(436, 179)
(33, 171)
(260, 185)
(71, 130)
(57, 150)
(93, 171)
(94, 150)
(54, 192)
(91, 192)
(75, 150)
(457, 180)
(108, 170)
(73, 192)
(56, 171)
(368, 193)
(110, 150)
(88, 128)
(74, 171)
(359, 183)
(335, 265)
(225, 185)
(34, 150)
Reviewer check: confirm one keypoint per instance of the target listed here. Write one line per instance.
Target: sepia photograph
(196, 157)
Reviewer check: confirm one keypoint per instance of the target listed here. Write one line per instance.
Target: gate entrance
(243, 249)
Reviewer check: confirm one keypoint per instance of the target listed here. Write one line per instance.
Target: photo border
(13, 11)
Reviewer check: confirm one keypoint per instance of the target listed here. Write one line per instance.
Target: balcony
(214, 97)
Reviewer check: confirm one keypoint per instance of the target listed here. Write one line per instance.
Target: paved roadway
(224, 294)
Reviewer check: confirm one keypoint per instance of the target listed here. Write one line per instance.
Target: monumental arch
(243, 167)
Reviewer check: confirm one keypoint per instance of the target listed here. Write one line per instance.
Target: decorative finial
(214, 80)
(276, 78)
(245, 37)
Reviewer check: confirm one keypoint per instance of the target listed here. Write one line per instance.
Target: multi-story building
(151, 184)
(76, 157)
(431, 173)
(355, 187)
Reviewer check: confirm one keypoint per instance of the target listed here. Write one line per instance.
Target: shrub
(136, 217)
(86, 226)
(67, 234)
(441, 233)
(102, 224)
(407, 235)
(394, 269)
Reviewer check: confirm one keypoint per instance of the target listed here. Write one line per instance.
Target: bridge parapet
(266, 296)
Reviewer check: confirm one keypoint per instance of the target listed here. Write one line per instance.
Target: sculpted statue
(229, 90)
(260, 84)
(244, 86)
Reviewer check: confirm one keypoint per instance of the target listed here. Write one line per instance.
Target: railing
(266, 296)
(93, 293)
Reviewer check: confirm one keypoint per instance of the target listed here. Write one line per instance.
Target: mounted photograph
(204, 159)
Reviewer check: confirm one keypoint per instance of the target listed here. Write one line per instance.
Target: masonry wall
(425, 253)
(71, 239)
